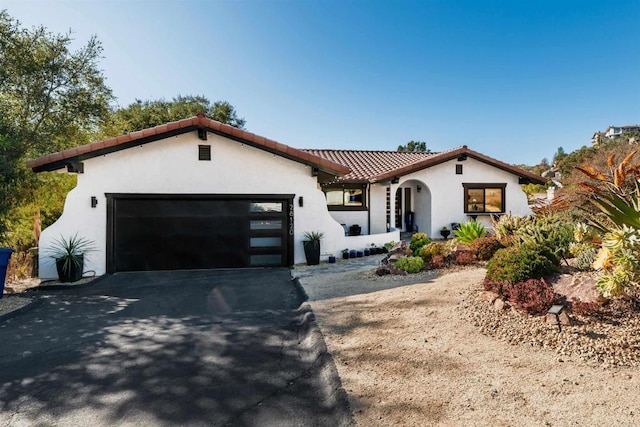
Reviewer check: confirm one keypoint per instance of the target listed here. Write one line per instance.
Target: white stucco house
(197, 193)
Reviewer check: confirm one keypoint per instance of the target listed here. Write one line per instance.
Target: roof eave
(60, 160)
(450, 155)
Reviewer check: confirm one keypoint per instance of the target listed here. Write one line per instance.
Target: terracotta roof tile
(172, 126)
(375, 166)
(365, 165)
(57, 160)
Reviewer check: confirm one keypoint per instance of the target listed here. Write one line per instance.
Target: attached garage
(179, 232)
(190, 194)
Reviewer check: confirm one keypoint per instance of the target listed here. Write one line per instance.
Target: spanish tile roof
(61, 159)
(365, 165)
(376, 166)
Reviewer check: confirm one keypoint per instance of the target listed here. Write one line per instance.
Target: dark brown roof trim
(449, 155)
(59, 160)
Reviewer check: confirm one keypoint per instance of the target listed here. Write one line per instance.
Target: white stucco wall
(378, 206)
(440, 201)
(171, 166)
(350, 218)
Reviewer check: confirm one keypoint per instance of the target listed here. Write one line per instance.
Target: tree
(414, 146)
(50, 99)
(560, 154)
(145, 114)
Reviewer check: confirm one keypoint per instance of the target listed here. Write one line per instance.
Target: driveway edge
(33, 304)
(310, 337)
(61, 287)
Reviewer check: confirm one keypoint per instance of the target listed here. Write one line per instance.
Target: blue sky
(512, 79)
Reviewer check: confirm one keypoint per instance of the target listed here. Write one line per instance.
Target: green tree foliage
(560, 154)
(145, 114)
(414, 146)
(51, 98)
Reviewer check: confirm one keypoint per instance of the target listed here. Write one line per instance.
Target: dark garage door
(170, 232)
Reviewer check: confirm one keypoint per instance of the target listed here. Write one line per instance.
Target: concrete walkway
(353, 265)
(347, 277)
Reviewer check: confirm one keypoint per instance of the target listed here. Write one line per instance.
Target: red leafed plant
(534, 296)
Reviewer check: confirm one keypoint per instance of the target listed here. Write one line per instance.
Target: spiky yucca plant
(70, 250)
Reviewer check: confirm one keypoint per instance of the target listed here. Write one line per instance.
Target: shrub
(534, 296)
(518, 264)
(584, 261)
(507, 226)
(470, 231)
(433, 248)
(500, 288)
(437, 261)
(410, 264)
(418, 240)
(485, 247)
(577, 248)
(555, 231)
(464, 258)
(546, 252)
(586, 308)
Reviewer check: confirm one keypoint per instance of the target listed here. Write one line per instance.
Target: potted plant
(345, 253)
(444, 232)
(69, 256)
(312, 246)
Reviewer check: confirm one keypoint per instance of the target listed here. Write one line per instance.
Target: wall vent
(204, 152)
(458, 169)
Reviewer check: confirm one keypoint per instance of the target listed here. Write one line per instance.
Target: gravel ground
(414, 355)
(9, 303)
(611, 339)
(17, 294)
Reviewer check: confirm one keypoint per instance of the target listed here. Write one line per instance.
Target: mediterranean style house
(197, 193)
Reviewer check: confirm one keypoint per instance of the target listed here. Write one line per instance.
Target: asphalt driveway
(210, 348)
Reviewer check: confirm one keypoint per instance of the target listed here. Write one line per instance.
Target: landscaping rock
(578, 285)
(563, 317)
(499, 304)
(489, 296)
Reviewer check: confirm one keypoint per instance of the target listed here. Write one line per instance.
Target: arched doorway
(413, 207)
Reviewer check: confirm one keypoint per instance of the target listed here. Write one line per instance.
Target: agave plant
(470, 231)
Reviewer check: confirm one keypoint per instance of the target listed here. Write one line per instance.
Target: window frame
(343, 188)
(484, 187)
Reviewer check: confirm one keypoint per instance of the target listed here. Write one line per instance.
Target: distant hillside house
(613, 132)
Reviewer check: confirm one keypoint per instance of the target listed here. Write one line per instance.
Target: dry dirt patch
(409, 356)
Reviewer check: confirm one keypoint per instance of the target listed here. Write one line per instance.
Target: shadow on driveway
(211, 348)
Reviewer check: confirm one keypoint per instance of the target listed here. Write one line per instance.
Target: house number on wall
(290, 219)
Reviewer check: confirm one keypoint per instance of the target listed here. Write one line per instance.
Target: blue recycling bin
(5, 254)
